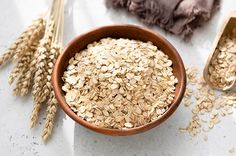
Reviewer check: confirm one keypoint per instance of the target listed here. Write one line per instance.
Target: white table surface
(70, 139)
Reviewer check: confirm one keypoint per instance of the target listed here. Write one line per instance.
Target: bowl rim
(119, 132)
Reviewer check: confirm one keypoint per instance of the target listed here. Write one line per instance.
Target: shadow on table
(157, 141)
(69, 31)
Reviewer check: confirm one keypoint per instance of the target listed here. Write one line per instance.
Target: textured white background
(70, 139)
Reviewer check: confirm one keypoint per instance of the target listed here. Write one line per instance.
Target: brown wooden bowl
(118, 31)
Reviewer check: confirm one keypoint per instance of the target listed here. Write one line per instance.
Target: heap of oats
(119, 83)
(222, 69)
(34, 54)
(209, 105)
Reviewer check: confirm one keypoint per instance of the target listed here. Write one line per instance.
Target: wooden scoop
(227, 27)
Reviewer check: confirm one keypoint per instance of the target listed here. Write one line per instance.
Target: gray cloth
(179, 17)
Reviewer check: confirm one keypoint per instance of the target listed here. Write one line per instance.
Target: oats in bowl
(119, 83)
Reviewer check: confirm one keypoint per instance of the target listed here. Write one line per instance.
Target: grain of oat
(205, 138)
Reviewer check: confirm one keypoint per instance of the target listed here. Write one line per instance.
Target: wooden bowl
(118, 31)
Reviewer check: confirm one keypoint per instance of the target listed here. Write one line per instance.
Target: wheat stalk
(21, 66)
(29, 76)
(24, 82)
(41, 71)
(35, 33)
(24, 50)
(52, 103)
(35, 53)
(55, 51)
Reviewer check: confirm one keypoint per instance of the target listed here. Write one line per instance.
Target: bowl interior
(119, 31)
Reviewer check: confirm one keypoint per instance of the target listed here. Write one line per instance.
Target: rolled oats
(222, 69)
(119, 83)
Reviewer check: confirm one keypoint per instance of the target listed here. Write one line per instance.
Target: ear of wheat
(34, 54)
(37, 26)
(41, 71)
(24, 82)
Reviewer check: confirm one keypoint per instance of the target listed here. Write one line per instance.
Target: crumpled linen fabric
(179, 17)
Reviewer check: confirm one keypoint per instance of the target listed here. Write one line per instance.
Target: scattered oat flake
(182, 129)
(128, 125)
(205, 138)
(235, 122)
(209, 106)
(232, 150)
